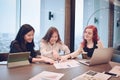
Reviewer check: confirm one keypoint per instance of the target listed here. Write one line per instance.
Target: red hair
(95, 34)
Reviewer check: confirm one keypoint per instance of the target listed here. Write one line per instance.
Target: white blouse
(46, 48)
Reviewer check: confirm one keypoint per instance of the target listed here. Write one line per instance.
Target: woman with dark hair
(24, 42)
(51, 44)
(90, 42)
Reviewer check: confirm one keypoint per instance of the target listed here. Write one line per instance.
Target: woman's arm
(64, 48)
(100, 44)
(77, 52)
(43, 59)
(43, 49)
(73, 54)
(15, 47)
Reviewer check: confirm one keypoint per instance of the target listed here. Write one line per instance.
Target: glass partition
(96, 12)
(14, 13)
(116, 40)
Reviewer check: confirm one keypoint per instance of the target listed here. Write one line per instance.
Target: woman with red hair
(90, 42)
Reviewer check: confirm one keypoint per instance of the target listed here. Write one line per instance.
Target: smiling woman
(90, 42)
(51, 44)
(24, 42)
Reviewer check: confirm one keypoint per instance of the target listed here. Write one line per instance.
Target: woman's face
(88, 34)
(29, 36)
(54, 38)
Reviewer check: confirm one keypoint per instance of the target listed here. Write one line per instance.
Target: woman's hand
(56, 55)
(47, 60)
(64, 58)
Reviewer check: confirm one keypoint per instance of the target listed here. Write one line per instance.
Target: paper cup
(84, 55)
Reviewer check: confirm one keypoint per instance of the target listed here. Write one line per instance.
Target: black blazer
(15, 47)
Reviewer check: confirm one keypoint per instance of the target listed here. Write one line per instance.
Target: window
(30, 14)
(78, 22)
(14, 13)
(8, 23)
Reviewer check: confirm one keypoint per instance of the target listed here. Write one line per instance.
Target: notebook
(18, 59)
(100, 56)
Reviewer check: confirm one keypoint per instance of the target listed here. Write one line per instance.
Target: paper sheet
(3, 62)
(66, 64)
(46, 75)
(92, 75)
(115, 70)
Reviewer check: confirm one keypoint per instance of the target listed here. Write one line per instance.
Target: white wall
(57, 8)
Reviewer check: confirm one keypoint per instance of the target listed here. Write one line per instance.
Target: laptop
(100, 56)
(18, 59)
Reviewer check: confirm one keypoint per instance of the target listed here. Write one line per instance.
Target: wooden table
(26, 72)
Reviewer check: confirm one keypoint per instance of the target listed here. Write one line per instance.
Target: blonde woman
(51, 44)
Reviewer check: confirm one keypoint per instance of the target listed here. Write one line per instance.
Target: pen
(110, 73)
(58, 60)
(68, 65)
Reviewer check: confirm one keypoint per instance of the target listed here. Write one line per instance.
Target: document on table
(115, 70)
(3, 62)
(92, 75)
(46, 75)
(66, 64)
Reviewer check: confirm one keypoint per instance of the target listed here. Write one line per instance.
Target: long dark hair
(24, 29)
(49, 33)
